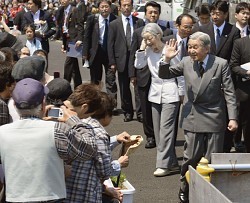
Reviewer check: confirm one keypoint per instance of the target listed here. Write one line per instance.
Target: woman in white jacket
(165, 99)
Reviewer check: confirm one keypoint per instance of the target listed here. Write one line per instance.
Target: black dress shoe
(139, 119)
(183, 196)
(115, 112)
(128, 118)
(150, 144)
(239, 147)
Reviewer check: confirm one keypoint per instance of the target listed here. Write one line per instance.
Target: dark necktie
(105, 36)
(201, 69)
(128, 34)
(183, 51)
(217, 38)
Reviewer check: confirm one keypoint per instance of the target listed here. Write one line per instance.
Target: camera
(55, 112)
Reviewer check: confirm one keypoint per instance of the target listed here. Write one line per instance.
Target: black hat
(9, 40)
(59, 91)
(29, 67)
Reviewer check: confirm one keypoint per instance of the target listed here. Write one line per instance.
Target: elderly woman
(165, 99)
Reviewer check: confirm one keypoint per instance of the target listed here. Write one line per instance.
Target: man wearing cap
(32, 150)
(59, 91)
(27, 67)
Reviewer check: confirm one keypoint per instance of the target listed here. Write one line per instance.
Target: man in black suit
(39, 17)
(119, 47)
(241, 55)
(221, 32)
(71, 20)
(95, 46)
(222, 36)
(18, 20)
(141, 78)
(242, 14)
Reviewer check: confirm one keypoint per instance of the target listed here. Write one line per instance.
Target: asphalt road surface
(139, 173)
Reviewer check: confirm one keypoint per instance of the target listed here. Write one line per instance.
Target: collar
(124, 18)
(240, 28)
(32, 117)
(36, 13)
(205, 61)
(5, 100)
(178, 38)
(101, 18)
(67, 9)
(220, 28)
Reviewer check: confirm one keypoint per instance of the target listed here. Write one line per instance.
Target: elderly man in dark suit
(95, 46)
(203, 117)
(119, 47)
(141, 78)
(222, 36)
(39, 17)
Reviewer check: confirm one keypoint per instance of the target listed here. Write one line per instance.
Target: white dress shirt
(102, 28)
(125, 22)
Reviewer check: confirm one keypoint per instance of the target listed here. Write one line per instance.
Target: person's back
(27, 166)
(32, 150)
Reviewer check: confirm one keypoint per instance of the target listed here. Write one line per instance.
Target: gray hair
(30, 112)
(203, 37)
(153, 29)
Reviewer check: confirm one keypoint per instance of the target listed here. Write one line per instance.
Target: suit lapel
(41, 16)
(120, 26)
(225, 35)
(248, 31)
(134, 19)
(96, 23)
(111, 17)
(31, 18)
(207, 76)
(212, 37)
(69, 16)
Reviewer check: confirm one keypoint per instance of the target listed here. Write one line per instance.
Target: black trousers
(146, 111)
(125, 93)
(71, 70)
(96, 71)
(244, 124)
(138, 109)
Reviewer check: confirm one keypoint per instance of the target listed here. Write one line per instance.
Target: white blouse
(161, 90)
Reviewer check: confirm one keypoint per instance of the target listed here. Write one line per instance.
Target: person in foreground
(32, 150)
(209, 92)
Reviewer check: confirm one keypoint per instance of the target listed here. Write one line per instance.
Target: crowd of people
(198, 66)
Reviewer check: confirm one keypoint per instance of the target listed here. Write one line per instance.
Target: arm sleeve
(229, 93)
(103, 157)
(140, 59)
(75, 140)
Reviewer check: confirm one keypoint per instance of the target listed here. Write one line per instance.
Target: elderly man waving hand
(204, 110)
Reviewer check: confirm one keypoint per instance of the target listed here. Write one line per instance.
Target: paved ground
(149, 189)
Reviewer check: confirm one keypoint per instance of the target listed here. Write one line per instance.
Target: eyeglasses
(187, 27)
